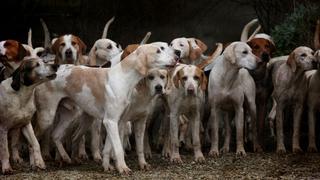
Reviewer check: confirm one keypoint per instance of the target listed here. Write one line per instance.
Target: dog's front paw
(166, 153)
(281, 151)
(224, 150)
(199, 158)
(175, 158)
(97, 157)
(297, 150)
(312, 149)
(6, 168)
(241, 152)
(17, 159)
(144, 166)
(124, 170)
(257, 148)
(38, 164)
(214, 153)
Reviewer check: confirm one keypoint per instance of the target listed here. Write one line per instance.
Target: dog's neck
(296, 77)
(25, 93)
(230, 73)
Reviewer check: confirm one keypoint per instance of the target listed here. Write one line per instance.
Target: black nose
(314, 64)
(177, 52)
(68, 53)
(158, 88)
(265, 57)
(55, 67)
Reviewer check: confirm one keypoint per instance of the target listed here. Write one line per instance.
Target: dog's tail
(46, 34)
(317, 36)
(245, 31)
(30, 38)
(255, 32)
(211, 58)
(146, 38)
(106, 27)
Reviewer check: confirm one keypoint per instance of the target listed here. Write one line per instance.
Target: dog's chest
(189, 105)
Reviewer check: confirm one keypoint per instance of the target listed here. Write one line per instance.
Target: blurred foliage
(297, 29)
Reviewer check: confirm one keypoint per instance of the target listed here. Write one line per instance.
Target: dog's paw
(214, 153)
(312, 149)
(165, 154)
(124, 170)
(97, 158)
(47, 157)
(297, 150)
(6, 169)
(281, 151)
(144, 166)
(175, 158)
(241, 153)
(199, 159)
(148, 154)
(108, 168)
(224, 150)
(38, 164)
(17, 159)
(66, 159)
(83, 156)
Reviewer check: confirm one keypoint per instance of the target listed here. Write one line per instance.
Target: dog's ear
(272, 47)
(229, 54)
(194, 50)
(93, 56)
(22, 52)
(201, 44)
(82, 45)
(176, 79)
(128, 50)
(142, 84)
(204, 81)
(292, 62)
(55, 46)
(16, 78)
(142, 63)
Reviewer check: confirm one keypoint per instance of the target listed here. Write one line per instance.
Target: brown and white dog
(290, 90)
(17, 107)
(103, 93)
(190, 49)
(69, 49)
(186, 98)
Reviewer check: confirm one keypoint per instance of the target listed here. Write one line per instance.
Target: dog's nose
(265, 57)
(190, 90)
(314, 64)
(158, 88)
(68, 53)
(177, 52)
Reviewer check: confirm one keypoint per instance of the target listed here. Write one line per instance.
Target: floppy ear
(93, 56)
(204, 81)
(292, 62)
(272, 47)
(194, 53)
(229, 54)
(55, 46)
(167, 79)
(82, 45)
(176, 79)
(142, 84)
(201, 44)
(142, 63)
(22, 52)
(16, 80)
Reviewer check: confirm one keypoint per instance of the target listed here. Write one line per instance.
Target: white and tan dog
(190, 50)
(230, 86)
(103, 93)
(17, 107)
(186, 98)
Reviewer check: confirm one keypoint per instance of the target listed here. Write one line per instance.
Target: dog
(186, 97)
(290, 89)
(17, 107)
(69, 49)
(191, 50)
(230, 86)
(103, 93)
(263, 47)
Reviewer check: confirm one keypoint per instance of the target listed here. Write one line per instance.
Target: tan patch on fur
(203, 79)
(128, 50)
(93, 78)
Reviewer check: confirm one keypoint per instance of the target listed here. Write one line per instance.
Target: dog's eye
(196, 78)
(37, 65)
(304, 55)
(181, 45)
(62, 44)
(162, 77)
(118, 45)
(73, 43)
(162, 48)
(158, 51)
(245, 52)
(170, 44)
(256, 47)
(109, 47)
(267, 46)
(150, 77)
(184, 78)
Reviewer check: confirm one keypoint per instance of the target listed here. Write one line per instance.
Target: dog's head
(191, 79)
(188, 48)
(155, 55)
(12, 53)
(104, 50)
(262, 48)
(32, 72)
(301, 58)
(240, 55)
(69, 48)
(157, 80)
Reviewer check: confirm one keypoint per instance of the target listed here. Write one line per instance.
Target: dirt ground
(253, 166)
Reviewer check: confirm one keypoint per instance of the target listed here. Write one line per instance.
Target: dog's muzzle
(68, 53)
(265, 57)
(158, 89)
(190, 90)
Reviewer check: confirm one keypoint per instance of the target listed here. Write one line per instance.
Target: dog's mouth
(52, 76)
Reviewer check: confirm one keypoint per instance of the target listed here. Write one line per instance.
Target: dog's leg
(146, 145)
(196, 137)
(296, 128)
(4, 152)
(253, 115)
(95, 140)
(214, 118)
(45, 145)
(174, 130)
(107, 154)
(239, 127)
(227, 136)
(261, 114)
(31, 138)
(15, 139)
(82, 154)
(112, 128)
(312, 142)
(279, 125)
(139, 131)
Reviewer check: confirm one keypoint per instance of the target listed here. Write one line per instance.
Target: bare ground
(253, 166)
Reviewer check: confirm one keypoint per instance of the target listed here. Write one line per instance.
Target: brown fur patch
(128, 50)
(93, 78)
(260, 46)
